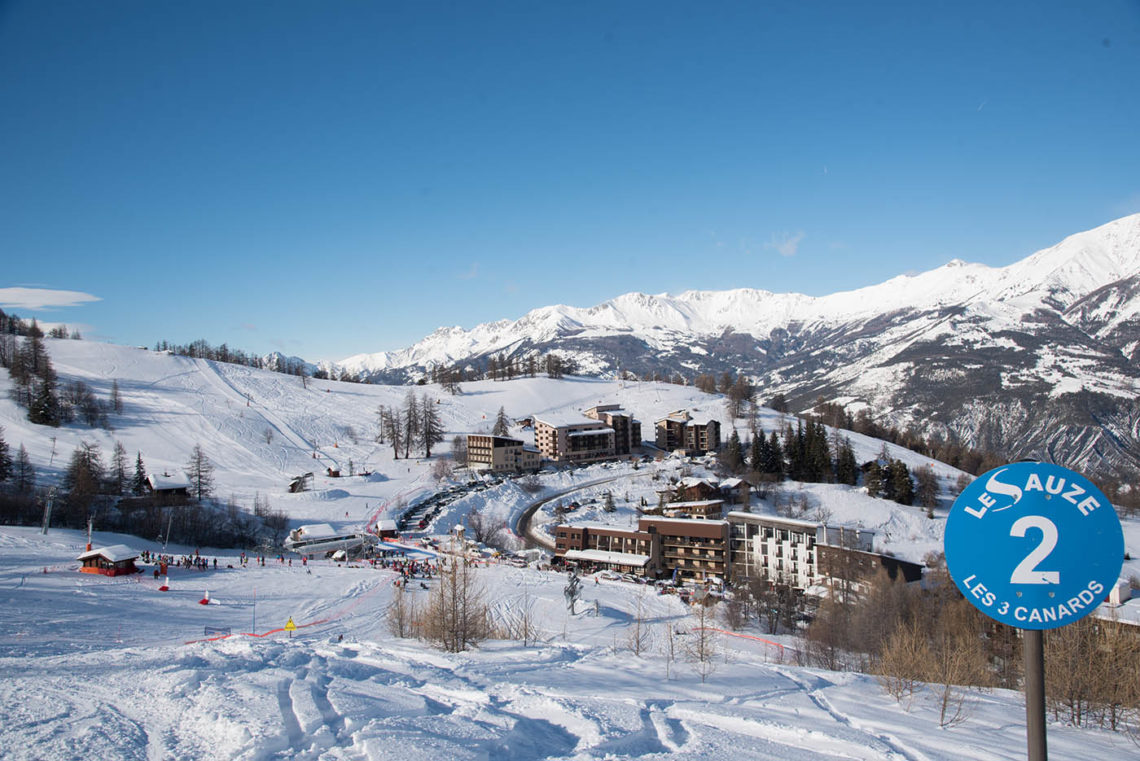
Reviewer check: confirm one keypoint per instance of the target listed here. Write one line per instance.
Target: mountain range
(1036, 359)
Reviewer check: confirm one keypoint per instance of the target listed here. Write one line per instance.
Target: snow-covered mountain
(1038, 358)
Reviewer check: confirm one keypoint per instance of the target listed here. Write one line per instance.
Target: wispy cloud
(470, 274)
(43, 298)
(787, 244)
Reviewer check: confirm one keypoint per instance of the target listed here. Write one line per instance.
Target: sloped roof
(116, 553)
(167, 481)
(615, 558)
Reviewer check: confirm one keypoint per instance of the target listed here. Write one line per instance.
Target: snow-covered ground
(112, 668)
(98, 668)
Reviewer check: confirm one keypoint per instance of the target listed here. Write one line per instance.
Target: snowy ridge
(1065, 272)
(1055, 336)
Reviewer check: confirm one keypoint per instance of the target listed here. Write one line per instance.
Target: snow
(113, 668)
(605, 556)
(114, 553)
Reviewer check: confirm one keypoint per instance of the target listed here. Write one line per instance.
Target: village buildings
(687, 545)
(627, 429)
(602, 431)
(501, 454)
(572, 438)
(680, 431)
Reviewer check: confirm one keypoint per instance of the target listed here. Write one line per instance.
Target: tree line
(499, 367)
(807, 453)
(116, 496)
(415, 424)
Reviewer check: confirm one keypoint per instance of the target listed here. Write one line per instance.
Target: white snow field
(98, 668)
(93, 667)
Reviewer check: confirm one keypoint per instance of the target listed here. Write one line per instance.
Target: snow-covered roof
(690, 481)
(696, 521)
(563, 419)
(693, 503)
(731, 483)
(595, 525)
(168, 481)
(592, 432)
(531, 448)
(314, 530)
(116, 553)
(774, 519)
(386, 524)
(614, 558)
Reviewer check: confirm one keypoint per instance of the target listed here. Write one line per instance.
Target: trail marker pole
(1033, 646)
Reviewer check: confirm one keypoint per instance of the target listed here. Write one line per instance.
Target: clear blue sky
(328, 178)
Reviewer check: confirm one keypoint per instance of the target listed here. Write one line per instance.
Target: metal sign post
(1034, 546)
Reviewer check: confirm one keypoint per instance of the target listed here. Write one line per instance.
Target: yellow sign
(290, 626)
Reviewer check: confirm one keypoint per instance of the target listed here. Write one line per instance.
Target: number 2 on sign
(1027, 571)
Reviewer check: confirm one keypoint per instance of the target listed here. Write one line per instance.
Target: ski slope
(97, 668)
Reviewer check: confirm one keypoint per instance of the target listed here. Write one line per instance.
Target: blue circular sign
(1034, 545)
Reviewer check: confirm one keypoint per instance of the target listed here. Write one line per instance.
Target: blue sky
(331, 178)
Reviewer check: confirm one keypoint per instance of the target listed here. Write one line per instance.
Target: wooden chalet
(116, 560)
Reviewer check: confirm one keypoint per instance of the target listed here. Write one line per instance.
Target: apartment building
(500, 454)
(627, 429)
(782, 550)
(801, 554)
(680, 431)
(572, 438)
(688, 549)
(804, 554)
(605, 547)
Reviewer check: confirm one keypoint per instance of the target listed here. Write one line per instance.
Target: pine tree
(118, 480)
(116, 398)
(45, 408)
(381, 429)
(901, 485)
(873, 480)
(927, 489)
(757, 452)
(733, 457)
(83, 477)
(795, 451)
(392, 426)
(23, 474)
(431, 428)
(200, 471)
(5, 458)
(139, 482)
(502, 424)
(775, 463)
(411, 416)
(846, 469)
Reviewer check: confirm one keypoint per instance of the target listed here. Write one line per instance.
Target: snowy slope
(91, 668)
(260, 428)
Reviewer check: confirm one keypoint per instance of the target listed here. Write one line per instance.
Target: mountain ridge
(1038, 341)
